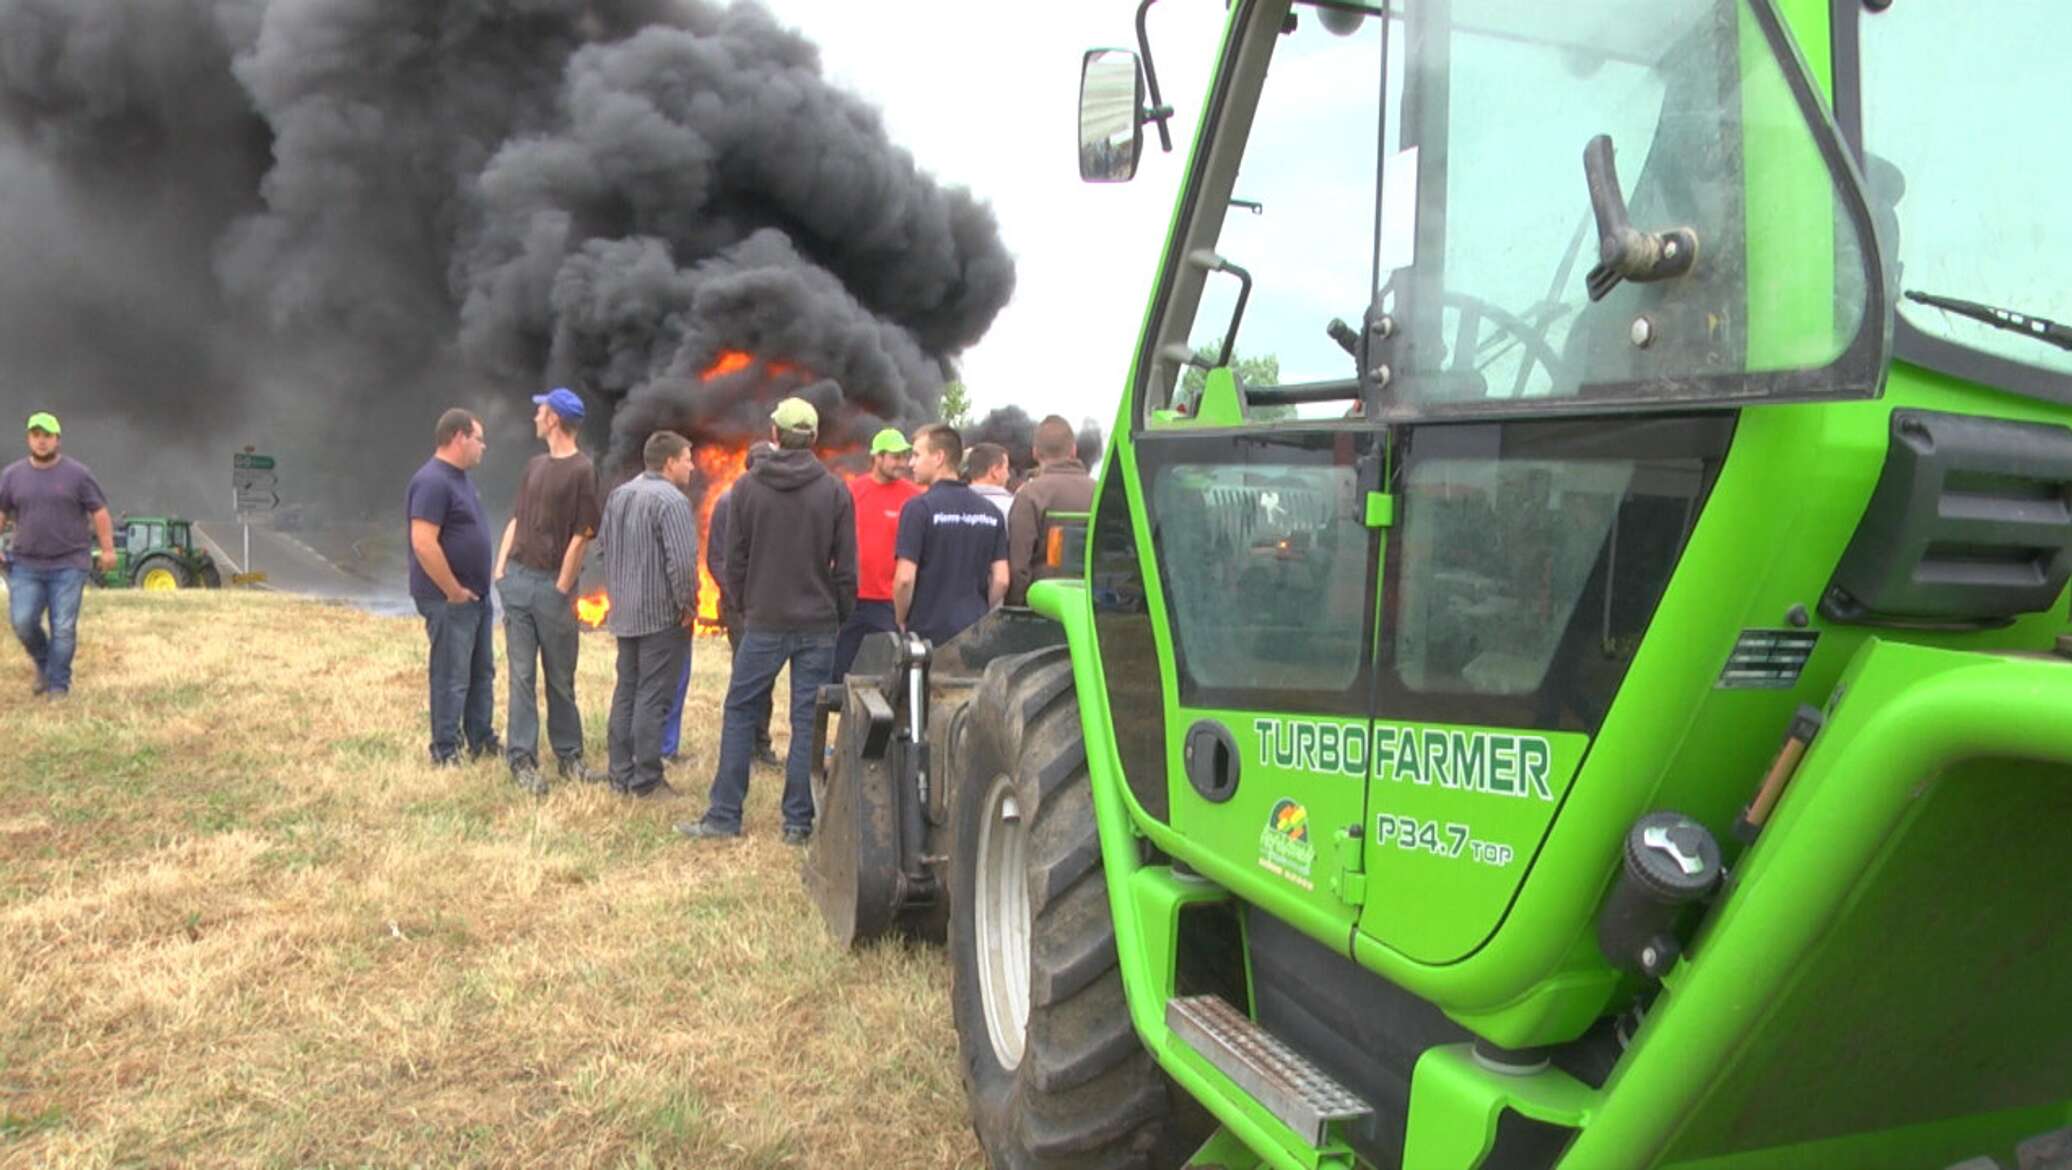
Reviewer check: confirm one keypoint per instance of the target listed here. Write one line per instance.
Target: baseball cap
(795, 414)
(44, 420)
(889, 442)
(562, 401)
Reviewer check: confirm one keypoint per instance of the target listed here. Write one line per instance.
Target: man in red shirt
(879, 496)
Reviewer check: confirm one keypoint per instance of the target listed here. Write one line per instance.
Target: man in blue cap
(555, 518)
(59, 515)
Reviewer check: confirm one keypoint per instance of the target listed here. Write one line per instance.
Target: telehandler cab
(1623, 718)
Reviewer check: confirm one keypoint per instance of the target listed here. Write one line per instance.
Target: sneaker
(573, 768)
(766, 758)
(488, 747)
(526, 775)
(795, 836)
(659, 790)
(704, 830)
(57, 694)
(446, 761)
(42, 684)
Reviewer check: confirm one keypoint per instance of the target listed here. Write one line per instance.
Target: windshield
(1428, 165)
(1963, 157)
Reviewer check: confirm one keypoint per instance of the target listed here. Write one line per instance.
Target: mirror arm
(1624, 252)
(1159, 111)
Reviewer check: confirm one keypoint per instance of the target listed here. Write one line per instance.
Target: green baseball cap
(890, 442)
(44, 420)
(795, 414)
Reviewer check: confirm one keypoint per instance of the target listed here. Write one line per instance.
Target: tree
(956, 404)
(1264, 370)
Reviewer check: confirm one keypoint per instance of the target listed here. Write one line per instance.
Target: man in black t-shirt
(450, 562)
(552, 522)
(951, 566)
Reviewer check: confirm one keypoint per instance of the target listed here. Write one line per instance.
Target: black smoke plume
(325, 220)
(1012, 428)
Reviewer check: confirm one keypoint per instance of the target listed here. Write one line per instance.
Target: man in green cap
(59, 513)
(878, 495)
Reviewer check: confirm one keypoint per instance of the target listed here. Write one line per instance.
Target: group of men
(814, 570)
(62, 532)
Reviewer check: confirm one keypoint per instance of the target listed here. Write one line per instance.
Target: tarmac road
(294, 567)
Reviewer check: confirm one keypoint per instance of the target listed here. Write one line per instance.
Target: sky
(986, 97)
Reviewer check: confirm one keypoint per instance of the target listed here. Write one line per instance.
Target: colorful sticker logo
(1285, 849)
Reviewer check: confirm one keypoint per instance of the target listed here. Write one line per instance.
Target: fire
(718, 467)
(592, 608)
(730, 361)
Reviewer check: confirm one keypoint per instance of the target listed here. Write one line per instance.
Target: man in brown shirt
(541, 557)
(1060, 484)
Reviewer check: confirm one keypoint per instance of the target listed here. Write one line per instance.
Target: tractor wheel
(1056, 1076)
(210, 577)
(161, 574)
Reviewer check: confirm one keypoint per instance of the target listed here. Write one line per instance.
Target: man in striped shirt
(650, 539)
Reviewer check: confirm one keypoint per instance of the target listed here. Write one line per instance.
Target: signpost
(254, 487)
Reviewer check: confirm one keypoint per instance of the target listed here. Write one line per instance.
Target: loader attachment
(875, 862)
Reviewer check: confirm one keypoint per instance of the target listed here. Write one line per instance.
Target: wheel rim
(160, 580)
(1000, 918)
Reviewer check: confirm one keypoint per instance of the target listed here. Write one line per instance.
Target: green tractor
(1607, 706)
(158, 553)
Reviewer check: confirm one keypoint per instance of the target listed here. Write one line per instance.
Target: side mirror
(1111, 116)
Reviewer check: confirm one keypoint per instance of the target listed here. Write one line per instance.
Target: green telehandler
(1606, 706)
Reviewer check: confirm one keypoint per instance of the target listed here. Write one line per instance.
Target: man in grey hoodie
(791, 560)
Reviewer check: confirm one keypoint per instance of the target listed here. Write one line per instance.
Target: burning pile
(661, 203)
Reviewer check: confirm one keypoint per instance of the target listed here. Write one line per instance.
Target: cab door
(1557, 419)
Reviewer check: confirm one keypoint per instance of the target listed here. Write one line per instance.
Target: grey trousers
(541, 636)
(648, 669)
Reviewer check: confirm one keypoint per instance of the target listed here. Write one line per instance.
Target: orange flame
(592, 608)
(718, 467)
(729, 361)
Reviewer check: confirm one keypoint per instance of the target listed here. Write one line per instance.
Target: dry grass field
(242, 925)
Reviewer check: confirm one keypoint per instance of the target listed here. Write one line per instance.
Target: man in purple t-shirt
(58, 513)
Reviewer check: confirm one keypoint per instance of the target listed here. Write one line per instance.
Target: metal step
(1301, 1095)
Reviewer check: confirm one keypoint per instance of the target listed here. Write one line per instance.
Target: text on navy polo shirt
(953, 535)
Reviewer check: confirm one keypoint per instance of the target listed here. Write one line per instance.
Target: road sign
(254, 483)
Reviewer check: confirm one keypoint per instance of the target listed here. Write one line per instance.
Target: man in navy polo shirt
(951, 566)
(451, 555)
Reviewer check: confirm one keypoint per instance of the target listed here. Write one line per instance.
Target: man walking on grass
(650, 543)
(876, 498)
(791, 559)
(62, 532)
(951, 568)
(450, 563)
(1060, 484)
(553, 521)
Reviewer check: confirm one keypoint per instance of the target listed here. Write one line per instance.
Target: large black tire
(1081, 1093)
(211, 578)
(153, 566)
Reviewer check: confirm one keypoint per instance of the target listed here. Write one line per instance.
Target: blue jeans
(540, 638)
(762, 654)
(463, 675)
(31, 593)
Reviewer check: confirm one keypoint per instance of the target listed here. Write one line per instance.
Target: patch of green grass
(374, 748)
(15, 1126)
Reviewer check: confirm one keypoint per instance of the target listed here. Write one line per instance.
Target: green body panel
(1904, 900)
(1460, 810)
